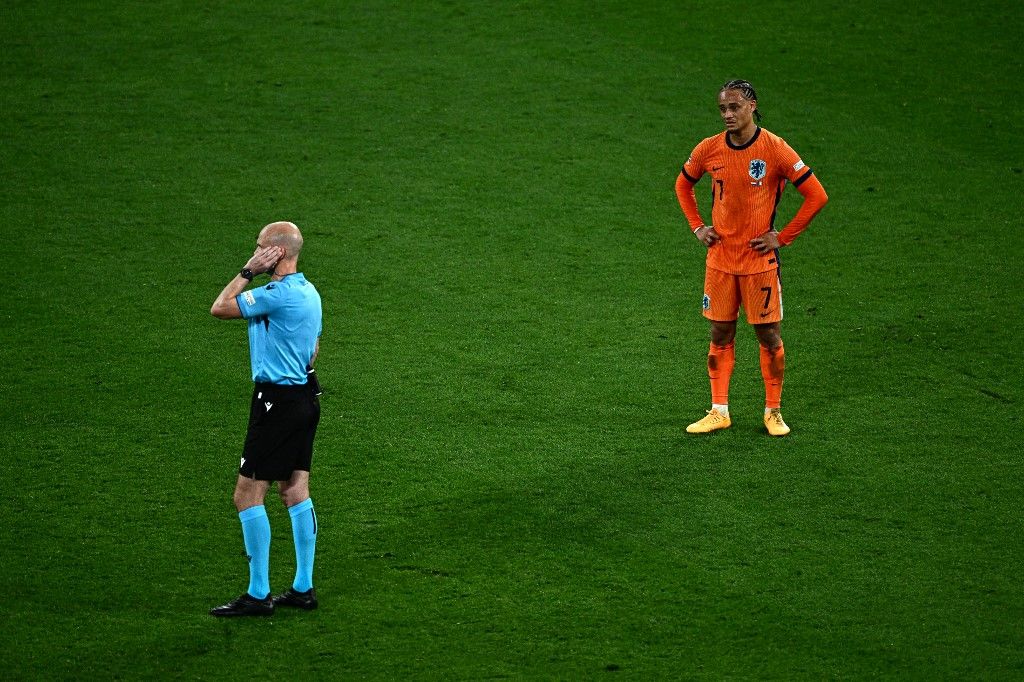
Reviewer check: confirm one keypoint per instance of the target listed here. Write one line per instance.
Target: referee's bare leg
(249, 492)
(248, 498)
(295, 495)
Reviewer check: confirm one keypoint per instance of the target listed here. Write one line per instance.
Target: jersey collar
(752, 140)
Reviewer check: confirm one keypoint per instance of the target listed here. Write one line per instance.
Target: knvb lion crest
(758, 169)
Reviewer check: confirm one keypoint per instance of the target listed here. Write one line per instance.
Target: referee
(284, 337)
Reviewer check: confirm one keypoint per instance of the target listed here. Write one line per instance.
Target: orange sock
(721, 360)
(773, 367)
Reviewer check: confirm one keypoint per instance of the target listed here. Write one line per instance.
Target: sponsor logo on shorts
(707, 302)
(249, 298)
(269, 405)
(242, 464)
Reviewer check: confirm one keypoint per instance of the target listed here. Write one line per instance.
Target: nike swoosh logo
(714, 168)
(766, 314)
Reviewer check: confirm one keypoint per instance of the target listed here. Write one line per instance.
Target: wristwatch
(246, 273)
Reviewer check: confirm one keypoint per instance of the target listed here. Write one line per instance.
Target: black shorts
(282, 425)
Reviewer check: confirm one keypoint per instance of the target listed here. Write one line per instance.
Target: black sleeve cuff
(692, 180)
(799, 181)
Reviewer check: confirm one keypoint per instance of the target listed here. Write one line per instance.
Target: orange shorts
(761, 295)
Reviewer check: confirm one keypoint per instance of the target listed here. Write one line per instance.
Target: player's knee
(722, 334)
(243, 500)
(769, 336)
(248, 493)
(293, 495)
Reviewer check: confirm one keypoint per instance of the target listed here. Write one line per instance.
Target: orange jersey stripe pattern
(746, 184)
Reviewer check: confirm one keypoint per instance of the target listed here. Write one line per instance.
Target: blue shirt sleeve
(259, 301)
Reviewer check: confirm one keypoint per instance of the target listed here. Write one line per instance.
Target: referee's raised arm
(225, 307)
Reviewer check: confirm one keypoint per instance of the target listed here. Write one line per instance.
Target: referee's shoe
(299, 600)
(246, 605)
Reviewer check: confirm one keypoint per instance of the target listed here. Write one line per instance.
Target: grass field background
(512, 341)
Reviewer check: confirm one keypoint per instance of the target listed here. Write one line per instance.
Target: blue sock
(256, 533)
(304, 533)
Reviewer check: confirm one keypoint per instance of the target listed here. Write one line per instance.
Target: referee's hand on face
(264, 258)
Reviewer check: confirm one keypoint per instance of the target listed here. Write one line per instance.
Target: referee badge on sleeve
(249, 298)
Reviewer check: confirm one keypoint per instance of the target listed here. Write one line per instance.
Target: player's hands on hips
(765, 243)
(706, 235)
(264, 258)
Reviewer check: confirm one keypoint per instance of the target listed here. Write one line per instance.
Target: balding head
(283, 234)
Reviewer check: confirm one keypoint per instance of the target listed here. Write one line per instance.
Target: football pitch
(513, 341)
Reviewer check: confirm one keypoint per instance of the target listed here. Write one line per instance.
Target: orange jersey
(746, 186)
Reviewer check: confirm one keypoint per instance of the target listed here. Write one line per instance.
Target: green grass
(512, 341)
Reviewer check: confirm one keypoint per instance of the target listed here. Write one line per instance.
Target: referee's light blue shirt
(285, 321)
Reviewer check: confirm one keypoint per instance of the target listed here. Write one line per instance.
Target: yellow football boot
(714, 421)
(773, 422)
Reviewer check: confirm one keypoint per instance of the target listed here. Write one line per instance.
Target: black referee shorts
(282, 425)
